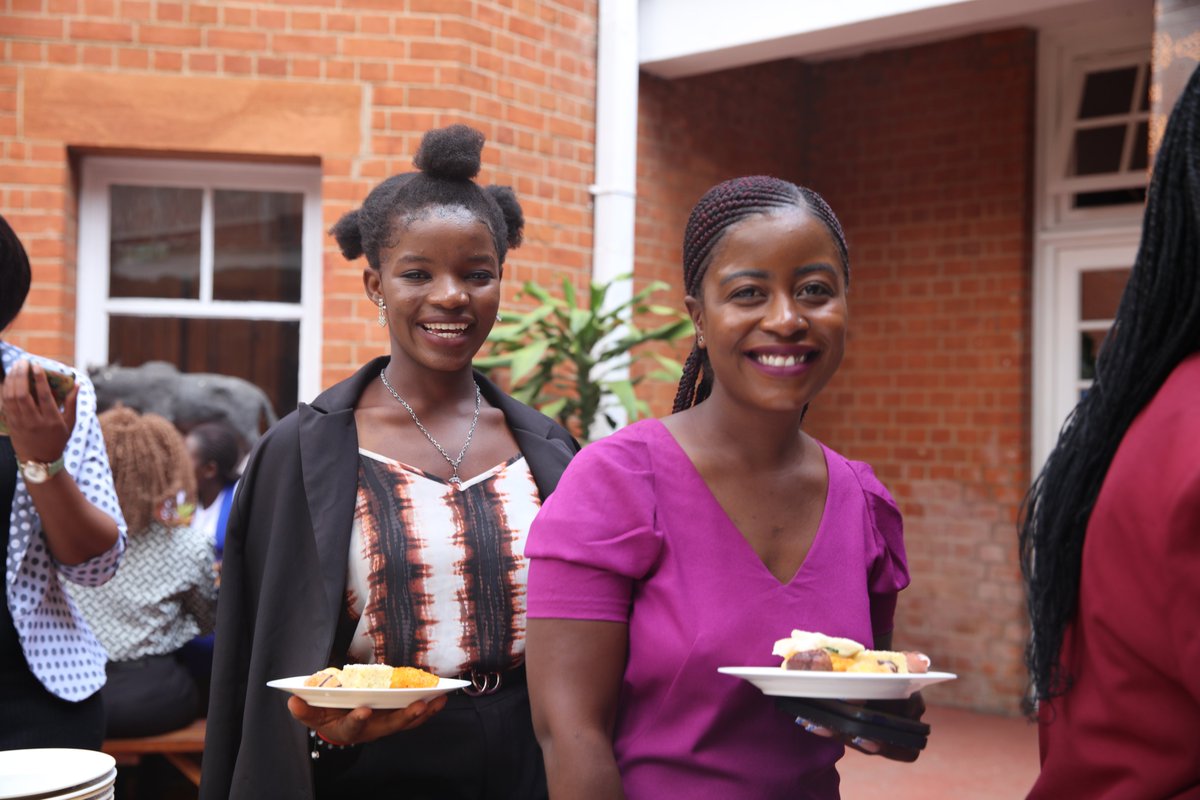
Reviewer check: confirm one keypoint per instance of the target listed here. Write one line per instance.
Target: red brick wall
(352, 84)
(926, 155)
(692, 134)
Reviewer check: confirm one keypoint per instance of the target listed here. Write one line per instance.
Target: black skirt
(476, 748)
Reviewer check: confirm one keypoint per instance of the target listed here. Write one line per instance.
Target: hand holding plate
(362, 724)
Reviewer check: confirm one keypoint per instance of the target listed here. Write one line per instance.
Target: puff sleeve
(596, 535)
(886, 558)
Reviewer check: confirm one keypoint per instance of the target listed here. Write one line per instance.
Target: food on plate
(372, 676)
(807, 650)
(328, 678)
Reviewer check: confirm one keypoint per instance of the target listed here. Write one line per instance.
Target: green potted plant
(567, 358)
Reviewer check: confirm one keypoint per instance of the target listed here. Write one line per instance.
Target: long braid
(1157, 325)
(718, 210)
(149, 461)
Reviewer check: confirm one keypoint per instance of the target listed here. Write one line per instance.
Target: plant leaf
(525, 359)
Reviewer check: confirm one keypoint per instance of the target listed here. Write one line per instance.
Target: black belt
(490, 682)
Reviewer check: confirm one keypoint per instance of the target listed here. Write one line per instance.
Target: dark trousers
(148, 696)
(32, 717)
(481, 748)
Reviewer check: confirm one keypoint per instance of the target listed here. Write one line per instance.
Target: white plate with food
(371, 685)
(780, 682)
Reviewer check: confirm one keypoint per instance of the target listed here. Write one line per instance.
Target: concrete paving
(969, 756)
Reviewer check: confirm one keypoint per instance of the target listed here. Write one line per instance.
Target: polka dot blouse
(61, 649)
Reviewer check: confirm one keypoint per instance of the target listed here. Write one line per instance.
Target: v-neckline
(728, 523)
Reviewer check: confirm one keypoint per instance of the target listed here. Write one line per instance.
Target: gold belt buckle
(481, 683)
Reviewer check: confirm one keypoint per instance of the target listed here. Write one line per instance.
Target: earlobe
(371, 283)
(696, 312)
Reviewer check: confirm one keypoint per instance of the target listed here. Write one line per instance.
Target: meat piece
(813, 660)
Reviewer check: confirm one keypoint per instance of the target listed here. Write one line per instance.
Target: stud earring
(498, 317)
(700, 340)
(382, 318)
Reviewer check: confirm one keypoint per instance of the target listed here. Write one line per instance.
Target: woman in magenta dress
(678, 546)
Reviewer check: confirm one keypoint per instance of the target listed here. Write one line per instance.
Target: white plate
(51, 769)
(836, 685)
(353, 698)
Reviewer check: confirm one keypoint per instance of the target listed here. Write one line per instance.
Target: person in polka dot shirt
(57, 496)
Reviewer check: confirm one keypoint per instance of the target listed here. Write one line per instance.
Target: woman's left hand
(362, 724)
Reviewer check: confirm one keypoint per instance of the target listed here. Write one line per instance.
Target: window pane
(264, 352)
(1108, 92)
(1140, 159)
(1112, 197)
(1144, 104)
(154, 242)
(1098, 150)
(1100, 292)
(257, 245)
(1090, 342)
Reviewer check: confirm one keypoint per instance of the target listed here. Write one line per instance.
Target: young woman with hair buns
(385, 521)
(681, 545)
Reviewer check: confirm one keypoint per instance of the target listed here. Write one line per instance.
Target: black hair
(448, 160)
(15, 275)
(722, 207)
(219, 443)
(1157, 325)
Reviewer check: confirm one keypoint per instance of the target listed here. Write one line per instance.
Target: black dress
(31, 716)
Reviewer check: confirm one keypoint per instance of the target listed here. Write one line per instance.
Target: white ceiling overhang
(677, 38)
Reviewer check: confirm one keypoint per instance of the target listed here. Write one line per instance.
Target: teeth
(783, 361)
(444, 330)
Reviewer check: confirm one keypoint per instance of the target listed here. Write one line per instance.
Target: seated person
(164, 594)
(216, 453)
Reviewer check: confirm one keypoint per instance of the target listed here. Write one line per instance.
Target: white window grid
(95, 306)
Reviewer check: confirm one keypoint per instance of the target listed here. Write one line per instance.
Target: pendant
(454, 479)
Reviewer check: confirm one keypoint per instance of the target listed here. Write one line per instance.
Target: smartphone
(60, 382)
(858, 720)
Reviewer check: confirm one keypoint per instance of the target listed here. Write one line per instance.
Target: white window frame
(1067, 241)
(95, 305)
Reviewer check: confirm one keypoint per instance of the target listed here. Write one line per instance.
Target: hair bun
(514, 217)
(453, 152)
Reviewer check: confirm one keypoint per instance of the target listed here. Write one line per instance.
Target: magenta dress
(632, 534)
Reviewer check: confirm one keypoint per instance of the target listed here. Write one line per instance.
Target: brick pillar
(1176, 54)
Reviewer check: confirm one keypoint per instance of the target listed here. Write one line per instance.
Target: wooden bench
(182, 748)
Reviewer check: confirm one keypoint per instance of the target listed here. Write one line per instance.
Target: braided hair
(722, 207)
(448, 160)
(15, 276)
(1157, 325)
(150, 463)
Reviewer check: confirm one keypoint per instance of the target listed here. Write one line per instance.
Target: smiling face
(773, 311)
(440, 280)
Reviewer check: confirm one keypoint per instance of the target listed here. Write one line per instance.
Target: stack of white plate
(56, 774)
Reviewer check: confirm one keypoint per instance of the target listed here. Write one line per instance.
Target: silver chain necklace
(453, 462)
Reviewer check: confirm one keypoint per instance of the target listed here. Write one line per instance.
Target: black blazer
(284, 574)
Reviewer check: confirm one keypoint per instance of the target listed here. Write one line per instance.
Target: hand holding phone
(59, 383)
(901, 737)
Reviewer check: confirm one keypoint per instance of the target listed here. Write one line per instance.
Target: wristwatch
(40, 471)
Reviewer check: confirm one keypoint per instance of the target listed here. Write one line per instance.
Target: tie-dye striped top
(437, 573)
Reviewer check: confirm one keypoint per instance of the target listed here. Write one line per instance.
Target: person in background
(1110, 535)
(677, 546)
(216, 452)
(164, 594)
(62, 520)
(385, 522)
